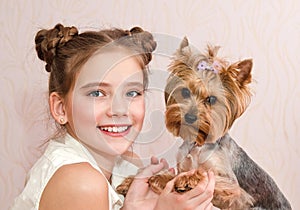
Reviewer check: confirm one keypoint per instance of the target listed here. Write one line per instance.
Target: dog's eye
(211, 100)
(185, 93)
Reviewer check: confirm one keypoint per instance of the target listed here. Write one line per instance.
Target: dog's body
(204, 95)
(252, 188)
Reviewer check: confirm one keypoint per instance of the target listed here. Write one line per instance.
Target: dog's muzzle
(190, 118)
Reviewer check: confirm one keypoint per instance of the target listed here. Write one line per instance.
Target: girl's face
(106, 108)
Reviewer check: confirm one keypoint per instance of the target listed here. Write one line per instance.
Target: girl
(96, 94)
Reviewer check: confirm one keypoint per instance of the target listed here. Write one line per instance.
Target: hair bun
(136, 30)
(47, 41)
(145, 39)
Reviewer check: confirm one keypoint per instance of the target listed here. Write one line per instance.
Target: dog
(204, 95)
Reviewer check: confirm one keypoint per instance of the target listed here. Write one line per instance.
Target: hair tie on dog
(203, 65)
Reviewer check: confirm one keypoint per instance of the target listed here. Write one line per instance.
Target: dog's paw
(185, 183)
(158, 182)
(124, 186)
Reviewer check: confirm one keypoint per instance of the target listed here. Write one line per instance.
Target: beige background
(267, 31)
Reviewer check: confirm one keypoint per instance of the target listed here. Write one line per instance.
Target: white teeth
(115, 129)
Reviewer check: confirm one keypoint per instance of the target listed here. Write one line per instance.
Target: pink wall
(267, 31)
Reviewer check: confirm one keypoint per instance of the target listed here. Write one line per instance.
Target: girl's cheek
(137, 109)
(84, 112)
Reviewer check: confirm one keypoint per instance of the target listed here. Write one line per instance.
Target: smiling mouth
(114, 129)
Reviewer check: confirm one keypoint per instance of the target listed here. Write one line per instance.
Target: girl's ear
(57, 108)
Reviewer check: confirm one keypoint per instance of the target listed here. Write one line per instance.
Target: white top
(58, 153)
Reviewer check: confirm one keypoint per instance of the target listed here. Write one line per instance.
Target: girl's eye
(133, 94)
(96, 93)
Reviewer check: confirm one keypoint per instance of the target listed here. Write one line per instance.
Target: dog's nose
(190, 118)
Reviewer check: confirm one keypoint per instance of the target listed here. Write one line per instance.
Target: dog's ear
(212, 51)
(184, 50)
(242, 71)
(244, 76)
(184, 46)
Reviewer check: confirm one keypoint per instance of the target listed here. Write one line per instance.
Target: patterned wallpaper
(267, 31)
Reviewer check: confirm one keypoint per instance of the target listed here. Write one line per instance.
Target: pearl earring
(61, 120)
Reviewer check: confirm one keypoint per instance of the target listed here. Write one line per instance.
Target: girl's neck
(105, 163)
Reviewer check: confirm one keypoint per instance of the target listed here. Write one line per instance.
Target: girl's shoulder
(80, 174)
(76, 186)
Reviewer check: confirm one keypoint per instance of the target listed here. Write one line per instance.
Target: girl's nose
(118, 107)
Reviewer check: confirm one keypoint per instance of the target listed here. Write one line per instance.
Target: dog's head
(204, 94)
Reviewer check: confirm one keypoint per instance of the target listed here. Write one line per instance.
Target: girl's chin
(119, 150)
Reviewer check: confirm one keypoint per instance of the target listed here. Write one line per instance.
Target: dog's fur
(204, 95)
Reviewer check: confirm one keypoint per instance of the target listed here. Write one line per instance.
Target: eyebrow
(135, 84)
(103, 84)
(95, 84)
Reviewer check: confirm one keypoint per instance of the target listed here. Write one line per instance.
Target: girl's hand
(139, 195)
(198, 198)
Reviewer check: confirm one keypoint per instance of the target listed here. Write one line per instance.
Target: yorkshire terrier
(204, 95)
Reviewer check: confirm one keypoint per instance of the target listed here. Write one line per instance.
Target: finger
(206, 195)
(150, 170)
(203, 201)
(172, 171)
(164, 161)
(169, 187)
(209, 206)
(154, 160)
(211, 181)
(203, 206)
(200, 188)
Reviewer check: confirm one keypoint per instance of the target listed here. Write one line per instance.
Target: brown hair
(65, 51)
